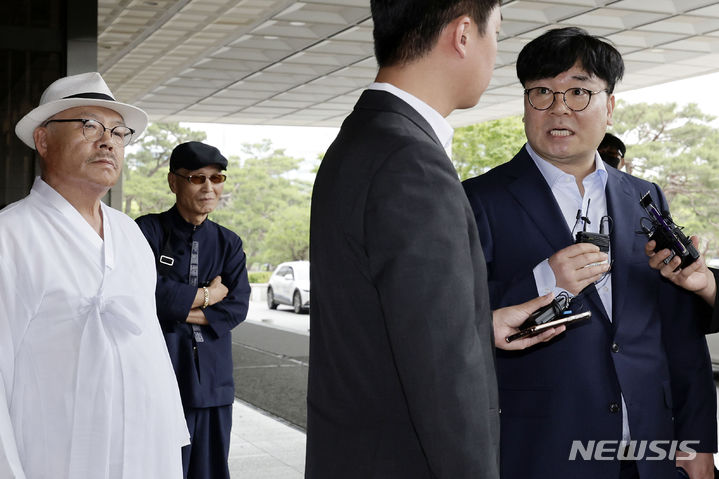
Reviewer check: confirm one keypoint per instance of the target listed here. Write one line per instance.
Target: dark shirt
(203, 369)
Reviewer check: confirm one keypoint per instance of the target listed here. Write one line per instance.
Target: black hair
(612, 141)
(557, 50)
(406, 30)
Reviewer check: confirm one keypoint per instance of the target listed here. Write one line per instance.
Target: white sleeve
(546, 281)
(10, 465)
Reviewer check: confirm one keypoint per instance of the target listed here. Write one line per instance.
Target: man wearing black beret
(202, 293)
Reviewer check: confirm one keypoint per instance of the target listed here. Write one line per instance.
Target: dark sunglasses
(200, 179)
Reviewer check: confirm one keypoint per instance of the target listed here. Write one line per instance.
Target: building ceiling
(280, 62)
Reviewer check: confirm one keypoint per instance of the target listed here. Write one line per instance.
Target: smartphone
(534, 330)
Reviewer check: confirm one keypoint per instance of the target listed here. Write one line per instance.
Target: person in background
(401, 376)
(638, 371)
(202, 294)
(612, 151)
(86, 384)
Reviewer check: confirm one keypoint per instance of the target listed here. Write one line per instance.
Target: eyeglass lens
(93, 131)
(576, 99)
(200, 179)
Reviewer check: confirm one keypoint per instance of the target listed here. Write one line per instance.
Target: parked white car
(290, 284)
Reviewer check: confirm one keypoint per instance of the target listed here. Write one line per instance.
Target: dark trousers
(206, 455)
(628, 470)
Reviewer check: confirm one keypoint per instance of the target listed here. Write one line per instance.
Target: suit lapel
(623, 234)
(532, 192)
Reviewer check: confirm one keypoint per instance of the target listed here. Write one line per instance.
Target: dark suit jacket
(653, 350)
(401, 377)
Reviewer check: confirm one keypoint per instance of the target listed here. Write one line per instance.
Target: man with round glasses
(86, 385)
(202, 294)
(638, 370)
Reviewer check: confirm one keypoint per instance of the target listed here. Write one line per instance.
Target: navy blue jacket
(205, 380)
(653, 352)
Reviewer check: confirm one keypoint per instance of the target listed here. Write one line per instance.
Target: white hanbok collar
(45, 193)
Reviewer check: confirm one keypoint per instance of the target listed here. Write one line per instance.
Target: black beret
(194, 155)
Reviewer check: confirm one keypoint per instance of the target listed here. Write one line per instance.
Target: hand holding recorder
(509, 321)
(556, 313)
(660, 228)
(696, 277)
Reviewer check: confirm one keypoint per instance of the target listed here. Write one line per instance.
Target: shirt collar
(552, 174)
(181, 223)
(51, 197)
(46, 194)
(439, 124)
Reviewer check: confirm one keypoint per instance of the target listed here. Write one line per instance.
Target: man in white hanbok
(87, 390)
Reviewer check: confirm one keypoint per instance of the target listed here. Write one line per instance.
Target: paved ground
(263, 447)
(270, 352)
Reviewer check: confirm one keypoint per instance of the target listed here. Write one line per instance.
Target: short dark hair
(611, 141)
(557, 50)
(406, 30)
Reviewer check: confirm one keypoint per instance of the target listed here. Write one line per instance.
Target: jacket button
(615, 348)
(614, 407)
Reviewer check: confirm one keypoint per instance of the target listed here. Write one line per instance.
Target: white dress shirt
(593, 205)
(87, 389)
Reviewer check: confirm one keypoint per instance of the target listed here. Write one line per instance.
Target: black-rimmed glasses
(576, 99)
(200, 179)
(93, 130)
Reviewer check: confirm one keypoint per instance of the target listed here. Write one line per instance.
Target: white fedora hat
(78, 90)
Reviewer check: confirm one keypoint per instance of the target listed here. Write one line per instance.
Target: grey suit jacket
(401, 378)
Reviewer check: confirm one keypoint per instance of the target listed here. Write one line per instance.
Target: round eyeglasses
(200, 179)
(93, 130)
(576, 99)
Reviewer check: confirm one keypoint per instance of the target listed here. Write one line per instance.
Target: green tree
(288, 236)
(145, 187)
(677, 148)
(263, 201)
(477, 148)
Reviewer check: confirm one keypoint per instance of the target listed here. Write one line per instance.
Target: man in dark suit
(401, 378)
(638, 370)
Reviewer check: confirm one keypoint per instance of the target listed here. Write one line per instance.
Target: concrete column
(81, 36)
(82, 57)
